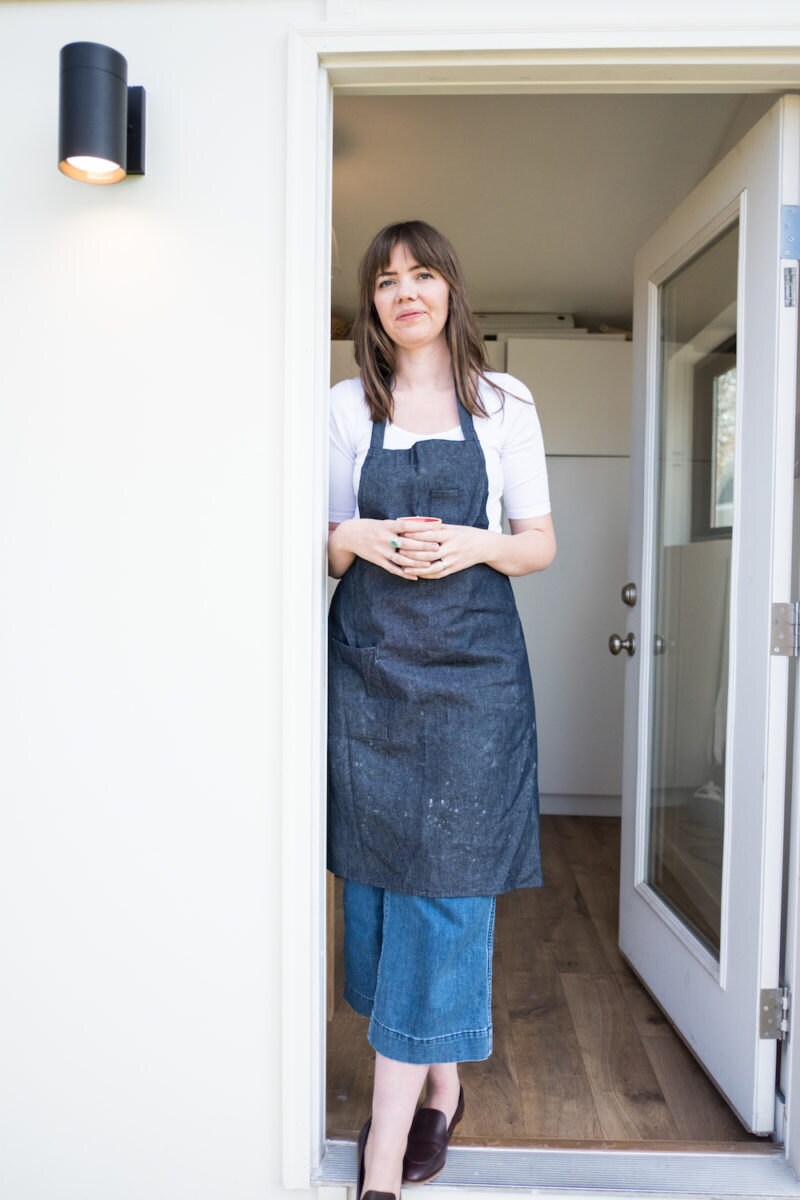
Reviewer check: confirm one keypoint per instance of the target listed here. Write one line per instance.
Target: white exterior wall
(141, 393)
(140, 484)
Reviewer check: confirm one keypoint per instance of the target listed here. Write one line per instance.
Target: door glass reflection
(695, 456)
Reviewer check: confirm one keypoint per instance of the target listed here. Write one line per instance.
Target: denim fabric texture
(421, 969)
(432, 732)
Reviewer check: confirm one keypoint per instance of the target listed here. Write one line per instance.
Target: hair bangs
(425, 245)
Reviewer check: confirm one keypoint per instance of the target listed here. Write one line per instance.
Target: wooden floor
(581, 1054)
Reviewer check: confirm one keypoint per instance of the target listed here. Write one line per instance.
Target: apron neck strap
(376, 441)
(467, 425)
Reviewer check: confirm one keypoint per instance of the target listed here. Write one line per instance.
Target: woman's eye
(382, 283)
(425, 275)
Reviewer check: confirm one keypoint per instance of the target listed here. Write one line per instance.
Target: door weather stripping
(790, 231)
(774, 1023)
(785, 637)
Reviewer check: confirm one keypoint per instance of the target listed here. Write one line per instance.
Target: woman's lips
(411, 312)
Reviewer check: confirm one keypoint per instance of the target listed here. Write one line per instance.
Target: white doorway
(444, 223)
(564, 269)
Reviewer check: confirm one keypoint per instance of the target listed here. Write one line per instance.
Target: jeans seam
(384, 919)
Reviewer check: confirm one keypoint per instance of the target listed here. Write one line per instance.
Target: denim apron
(431, 728)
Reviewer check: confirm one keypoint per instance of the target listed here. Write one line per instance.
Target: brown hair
(374, 349)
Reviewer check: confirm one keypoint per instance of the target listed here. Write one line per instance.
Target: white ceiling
(546, 198)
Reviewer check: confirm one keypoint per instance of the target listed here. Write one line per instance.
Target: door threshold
(756, 1145)
(758, 1173)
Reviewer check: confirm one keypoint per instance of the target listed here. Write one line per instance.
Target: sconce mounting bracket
(136, 130)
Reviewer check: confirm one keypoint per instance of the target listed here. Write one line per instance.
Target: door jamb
(408, 63)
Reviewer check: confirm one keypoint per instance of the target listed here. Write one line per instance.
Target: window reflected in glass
(695, 460)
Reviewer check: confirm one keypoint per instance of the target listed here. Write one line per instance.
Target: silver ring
(394, 542)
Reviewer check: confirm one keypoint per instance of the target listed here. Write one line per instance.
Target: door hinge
(774, 1023)
(790, 231)
(785, 636)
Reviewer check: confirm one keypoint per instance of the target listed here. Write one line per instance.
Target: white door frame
(510, 61)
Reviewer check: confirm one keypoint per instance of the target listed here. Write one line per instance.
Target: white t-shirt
(510, 437)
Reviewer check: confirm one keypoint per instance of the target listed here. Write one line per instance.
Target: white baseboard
(581, 806)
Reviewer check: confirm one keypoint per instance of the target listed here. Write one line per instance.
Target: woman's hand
(459, 546)
(531, 546)
(392, 545)
(431, 551)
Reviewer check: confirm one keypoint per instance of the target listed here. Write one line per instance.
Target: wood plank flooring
(581, 1053)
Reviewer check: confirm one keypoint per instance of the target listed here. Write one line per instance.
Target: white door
(715, 332)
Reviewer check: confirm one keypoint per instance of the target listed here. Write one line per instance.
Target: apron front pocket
(354, 669)
(356, 704)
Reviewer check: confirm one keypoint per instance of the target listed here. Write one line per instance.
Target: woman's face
(411, 301)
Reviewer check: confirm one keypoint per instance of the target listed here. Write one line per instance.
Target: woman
(433, 804)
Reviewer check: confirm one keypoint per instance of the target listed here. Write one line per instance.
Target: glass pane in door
(695, 456)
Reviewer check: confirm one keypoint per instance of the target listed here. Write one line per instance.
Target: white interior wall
(140, 474)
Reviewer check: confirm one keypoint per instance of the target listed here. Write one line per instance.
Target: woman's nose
(407, 289)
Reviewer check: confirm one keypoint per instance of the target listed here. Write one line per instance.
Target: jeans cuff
(473, 1045)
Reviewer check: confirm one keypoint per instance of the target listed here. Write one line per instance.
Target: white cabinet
(568, 612)
(582, 389)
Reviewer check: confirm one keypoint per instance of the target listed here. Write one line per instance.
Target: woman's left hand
(460, 546)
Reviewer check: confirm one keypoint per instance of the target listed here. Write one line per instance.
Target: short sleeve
(525, 489)
(343, 449)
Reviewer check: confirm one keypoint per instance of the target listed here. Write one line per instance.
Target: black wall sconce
(101, 120)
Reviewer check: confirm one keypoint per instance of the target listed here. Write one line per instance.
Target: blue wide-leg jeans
(421, 969)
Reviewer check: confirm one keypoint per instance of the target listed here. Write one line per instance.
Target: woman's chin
(415, 337)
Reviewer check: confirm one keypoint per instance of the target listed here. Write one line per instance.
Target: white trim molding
(304, 574)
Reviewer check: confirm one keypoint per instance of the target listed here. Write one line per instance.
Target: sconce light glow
(101, 119)
(86, 169)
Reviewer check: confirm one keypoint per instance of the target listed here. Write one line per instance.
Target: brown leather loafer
(360, 1148)
(428, 1139)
